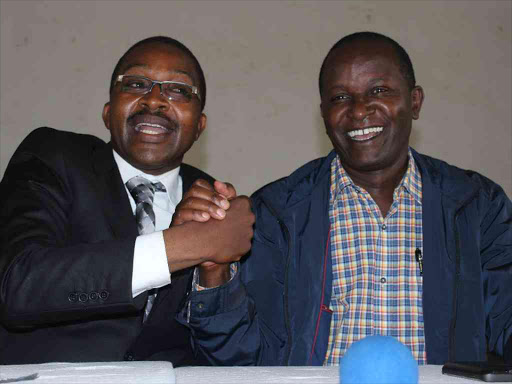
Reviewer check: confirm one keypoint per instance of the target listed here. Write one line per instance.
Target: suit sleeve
(242, 321)
(46, 275)
(496, 257)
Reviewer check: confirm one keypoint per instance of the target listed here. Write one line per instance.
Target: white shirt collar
(169, 179)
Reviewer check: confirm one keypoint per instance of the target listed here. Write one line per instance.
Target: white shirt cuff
(150, 268)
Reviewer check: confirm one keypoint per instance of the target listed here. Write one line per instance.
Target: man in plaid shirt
(375, 238)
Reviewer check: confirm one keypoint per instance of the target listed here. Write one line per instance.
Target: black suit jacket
(66, 258)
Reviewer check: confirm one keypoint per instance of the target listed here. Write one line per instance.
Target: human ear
(106, 115)
(201, 125)
(417, 96)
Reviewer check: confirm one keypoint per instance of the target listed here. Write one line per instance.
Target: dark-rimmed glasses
(172, 90)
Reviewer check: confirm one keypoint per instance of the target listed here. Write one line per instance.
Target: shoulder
(49, 143)
(50, 136)
(48, 153)
(454, 181)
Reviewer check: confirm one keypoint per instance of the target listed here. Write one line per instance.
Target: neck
(380, 183)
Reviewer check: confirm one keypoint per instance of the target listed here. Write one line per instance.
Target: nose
(361, 108)
(154, 100)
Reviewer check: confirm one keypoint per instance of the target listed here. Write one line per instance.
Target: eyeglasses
(173, 90)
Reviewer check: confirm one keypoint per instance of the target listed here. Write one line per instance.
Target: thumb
(225, 189)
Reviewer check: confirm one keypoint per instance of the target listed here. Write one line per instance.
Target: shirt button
(200, 305)
(384, 226)
(383, 280)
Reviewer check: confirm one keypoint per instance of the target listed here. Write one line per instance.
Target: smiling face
(149, 131)
(368, 107)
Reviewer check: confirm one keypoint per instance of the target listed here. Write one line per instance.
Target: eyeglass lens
(173, 91)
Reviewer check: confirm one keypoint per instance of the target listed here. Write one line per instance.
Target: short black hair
(404, 60)
(173, 43)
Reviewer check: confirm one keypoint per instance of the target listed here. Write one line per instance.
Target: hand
(218, 241)
(203, 201)
(233, 234)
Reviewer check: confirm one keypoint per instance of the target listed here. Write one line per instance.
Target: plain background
(261, 60)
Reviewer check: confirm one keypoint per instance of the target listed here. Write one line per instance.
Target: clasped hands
(227, 217)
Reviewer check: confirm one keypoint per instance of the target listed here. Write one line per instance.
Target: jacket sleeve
(228, 327)
(496, 258)
(47, 276)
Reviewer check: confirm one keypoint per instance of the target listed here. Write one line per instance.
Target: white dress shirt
(150, 268)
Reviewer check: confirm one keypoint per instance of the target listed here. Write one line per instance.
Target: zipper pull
(419, 259)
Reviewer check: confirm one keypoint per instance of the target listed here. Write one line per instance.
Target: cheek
(333, 118)
(121, 108)
(335, 124)
(403, 121)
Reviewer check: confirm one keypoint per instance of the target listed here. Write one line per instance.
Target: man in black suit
(89, 268)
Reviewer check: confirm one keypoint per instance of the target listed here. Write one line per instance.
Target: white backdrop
(261, 60)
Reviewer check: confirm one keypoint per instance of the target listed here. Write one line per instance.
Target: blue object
(378, 360)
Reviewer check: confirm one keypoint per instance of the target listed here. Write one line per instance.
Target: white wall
(261, 60)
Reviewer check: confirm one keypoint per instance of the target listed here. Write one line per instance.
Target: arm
(54, 270)
(241, 322)
(496, 256)
(46, 276)
(202, 202)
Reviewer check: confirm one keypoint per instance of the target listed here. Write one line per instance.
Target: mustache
(162, 119)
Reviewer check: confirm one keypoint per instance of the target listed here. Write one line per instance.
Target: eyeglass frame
(195, 90)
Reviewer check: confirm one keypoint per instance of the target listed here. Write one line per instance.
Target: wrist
(213, 275)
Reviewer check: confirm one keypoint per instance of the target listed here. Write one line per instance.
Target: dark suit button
(93, 296)
(103, 295)
(83, 297)
(128, 357)
(73, 297)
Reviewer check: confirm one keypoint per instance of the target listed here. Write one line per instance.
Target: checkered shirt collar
(411, 182)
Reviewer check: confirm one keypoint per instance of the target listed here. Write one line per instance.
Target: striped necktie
(143, 192)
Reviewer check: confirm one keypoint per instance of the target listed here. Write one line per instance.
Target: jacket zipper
(285, 298)
(323, 307)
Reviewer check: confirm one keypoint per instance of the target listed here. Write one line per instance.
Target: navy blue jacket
(276, 310)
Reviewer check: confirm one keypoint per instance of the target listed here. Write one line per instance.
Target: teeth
(149, 131)
(365, 131)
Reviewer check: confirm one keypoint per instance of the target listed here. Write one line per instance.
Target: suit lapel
(113, 197)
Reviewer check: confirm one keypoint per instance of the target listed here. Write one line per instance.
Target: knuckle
(185, 204)
(199, 182)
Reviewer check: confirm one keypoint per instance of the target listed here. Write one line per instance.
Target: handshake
(217, 226)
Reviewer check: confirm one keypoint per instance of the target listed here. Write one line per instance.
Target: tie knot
(143, 190)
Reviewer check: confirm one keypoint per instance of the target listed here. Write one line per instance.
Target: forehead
(159, 59)
(362, 57)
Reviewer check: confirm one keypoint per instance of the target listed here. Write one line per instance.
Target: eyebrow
(371, 82)
(146, 66)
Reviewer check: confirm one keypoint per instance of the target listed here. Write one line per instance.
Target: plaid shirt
(377, 285)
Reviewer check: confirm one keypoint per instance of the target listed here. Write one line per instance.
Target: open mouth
(152, 125)
(365, 134)
(150, 129)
